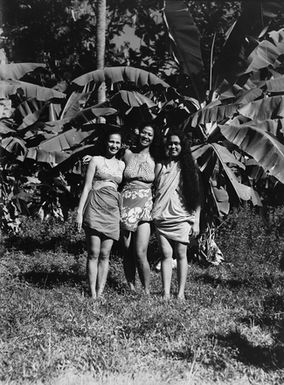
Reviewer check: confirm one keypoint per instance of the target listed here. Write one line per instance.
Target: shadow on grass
(49, 280)
(272, 316)
(265, 357)
(235, 283)
(29, 245)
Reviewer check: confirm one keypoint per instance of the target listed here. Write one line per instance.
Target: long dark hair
(189, 172)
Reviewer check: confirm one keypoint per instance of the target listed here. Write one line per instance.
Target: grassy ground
(228, 331)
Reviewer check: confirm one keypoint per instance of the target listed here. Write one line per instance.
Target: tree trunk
(101, 41)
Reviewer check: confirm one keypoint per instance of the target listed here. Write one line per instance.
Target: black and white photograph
(141, 192)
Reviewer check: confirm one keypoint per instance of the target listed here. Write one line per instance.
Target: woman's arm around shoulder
(121, 165)
(127, 155)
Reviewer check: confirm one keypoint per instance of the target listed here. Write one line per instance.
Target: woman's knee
(104, 254)
(93, 253)
(167, 255)
(141, 252)
(180, 254)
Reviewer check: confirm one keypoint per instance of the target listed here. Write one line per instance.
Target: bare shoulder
(127, 154)
(95, 160)
(121, 164)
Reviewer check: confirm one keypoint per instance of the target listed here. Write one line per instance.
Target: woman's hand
(79, 221)
(86, 159)
(195, 229)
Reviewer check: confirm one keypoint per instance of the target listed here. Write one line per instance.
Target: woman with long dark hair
(99, 209)
(137, 202)
(176, 211)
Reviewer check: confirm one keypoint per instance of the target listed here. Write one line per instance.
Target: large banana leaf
(249, 96)
(266, 53)
(73, 137)
(13, 145)
(185, 36)
(242, 191)
(65, 140)
(123, 100)
(91, 114)
(72, 105)
(53, 158)
(261, 145)
(263, 109)
(15, 71)
(209, 114)
(11, 87)
(27, 107)
(6, 127)
(112, 75)
(275, 85)
(220, 197)
(241, 40)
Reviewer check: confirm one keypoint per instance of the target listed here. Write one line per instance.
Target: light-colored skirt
(178, 231)
(137, 203)
(102, 212)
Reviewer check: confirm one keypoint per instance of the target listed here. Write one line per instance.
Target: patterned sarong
(137, 203)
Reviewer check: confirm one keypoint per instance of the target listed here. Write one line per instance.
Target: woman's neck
(171, 161)
(110, 157)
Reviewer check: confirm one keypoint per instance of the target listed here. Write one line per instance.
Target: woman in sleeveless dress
(99, 211)
(136, 208)
(176, 210)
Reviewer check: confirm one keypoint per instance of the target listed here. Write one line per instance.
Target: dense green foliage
(62, 33)
(229, 329)
(236, 127)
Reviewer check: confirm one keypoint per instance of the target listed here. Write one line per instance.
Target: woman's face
(146, 136)
(173, 146)
(113, 144)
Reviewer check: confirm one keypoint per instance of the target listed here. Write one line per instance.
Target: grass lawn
(230, 329)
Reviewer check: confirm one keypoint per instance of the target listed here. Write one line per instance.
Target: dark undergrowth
(230, 328)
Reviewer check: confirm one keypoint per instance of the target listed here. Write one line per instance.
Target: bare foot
(131, 287)
(146, 291)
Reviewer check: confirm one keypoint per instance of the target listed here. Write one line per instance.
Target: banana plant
(52, 131)
(240, 117)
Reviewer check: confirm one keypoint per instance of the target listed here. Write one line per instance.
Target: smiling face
(173, 146)
(113, 144)
(146, 136)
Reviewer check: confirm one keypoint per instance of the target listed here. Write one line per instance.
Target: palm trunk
(101, 40)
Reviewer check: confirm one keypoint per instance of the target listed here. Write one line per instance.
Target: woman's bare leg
(166, 265)
(93, 247)
(142, 238)
(181, 255)
(129, 259)
(103, 265)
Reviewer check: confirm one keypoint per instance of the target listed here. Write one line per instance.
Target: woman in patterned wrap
(176, 210)
(99, 210)
(136, 208)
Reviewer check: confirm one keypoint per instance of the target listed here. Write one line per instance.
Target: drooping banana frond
(112, 75)
(28, 90)
(15, 71)
(260, 144)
